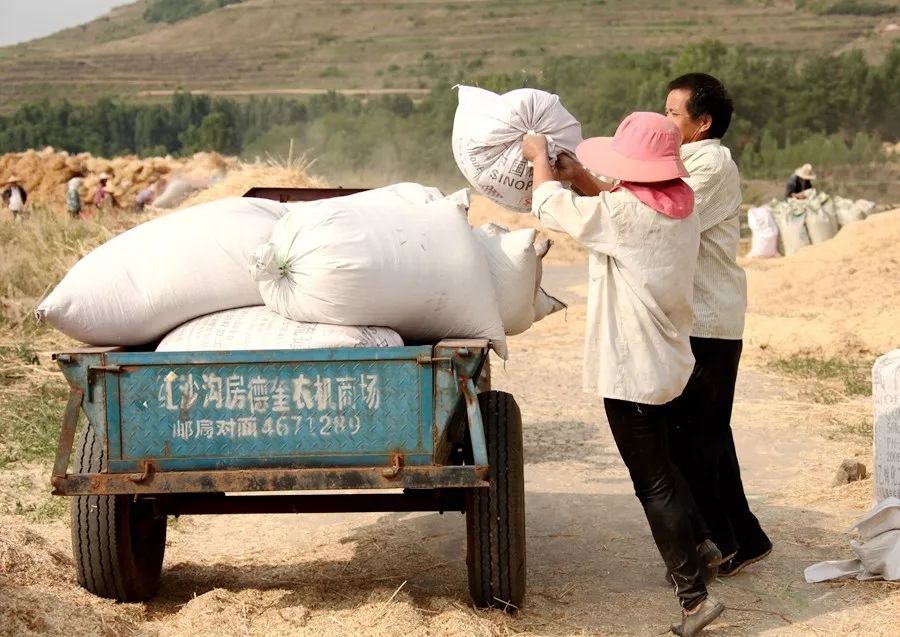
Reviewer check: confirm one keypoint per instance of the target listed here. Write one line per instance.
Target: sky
(22, 20)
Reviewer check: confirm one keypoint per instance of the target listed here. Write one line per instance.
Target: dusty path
(593, 569)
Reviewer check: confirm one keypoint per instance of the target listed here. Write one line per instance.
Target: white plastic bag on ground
(417, 269)
(886, 399)
(764, 243)
(877, 549)
(138, 286)
(487, 139)
(258, 327)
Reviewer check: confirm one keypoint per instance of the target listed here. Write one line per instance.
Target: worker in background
(701, 439)
(104, 196)
(73, 197)
(14, 197)
(800, 181)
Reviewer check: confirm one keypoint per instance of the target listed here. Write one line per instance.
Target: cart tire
(495, 516)
(118, 544)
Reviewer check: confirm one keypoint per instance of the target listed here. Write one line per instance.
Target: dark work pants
(641, 434)
(702, 447)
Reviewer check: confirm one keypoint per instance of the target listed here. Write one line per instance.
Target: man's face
(677, 112)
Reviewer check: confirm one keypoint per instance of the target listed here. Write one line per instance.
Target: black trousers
(641, 434)
(702, 447)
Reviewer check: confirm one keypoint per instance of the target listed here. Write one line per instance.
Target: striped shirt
(720, 286)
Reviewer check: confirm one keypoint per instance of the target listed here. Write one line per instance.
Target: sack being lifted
(487, 139)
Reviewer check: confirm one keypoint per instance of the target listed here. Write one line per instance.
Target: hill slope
(260, 46)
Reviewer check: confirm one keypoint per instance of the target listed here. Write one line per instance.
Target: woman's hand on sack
(534, 147)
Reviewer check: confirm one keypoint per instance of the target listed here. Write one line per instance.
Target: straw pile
(243, 177)
(44, 173)
(838, 298)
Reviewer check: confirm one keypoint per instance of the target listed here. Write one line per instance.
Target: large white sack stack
(886, 397)
(258, 327)
(764, 241)
(416, 268)
(849, 211)
(516, 271)
(136, 287)
(487, 139)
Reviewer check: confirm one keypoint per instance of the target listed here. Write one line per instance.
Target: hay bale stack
(44, 173)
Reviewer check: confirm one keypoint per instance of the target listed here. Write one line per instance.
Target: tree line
(828, 110)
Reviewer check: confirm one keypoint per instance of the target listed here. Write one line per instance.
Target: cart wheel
(495, 516)
(118, 543)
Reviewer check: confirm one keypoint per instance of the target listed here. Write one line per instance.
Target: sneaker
(737, 563)
(692, 622)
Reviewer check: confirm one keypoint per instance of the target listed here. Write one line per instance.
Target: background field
(269, 46)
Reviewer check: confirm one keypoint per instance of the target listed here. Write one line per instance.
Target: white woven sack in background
(487, 139)
(416, 268)
(141, 284)
(764, 241)
(259, 328)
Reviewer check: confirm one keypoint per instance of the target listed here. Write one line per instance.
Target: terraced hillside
(271, 46)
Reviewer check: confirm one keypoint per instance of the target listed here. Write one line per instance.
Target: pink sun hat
(645, 149)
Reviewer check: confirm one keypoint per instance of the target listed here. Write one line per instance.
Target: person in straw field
(643, 240)
(14, 197)
(800, 181)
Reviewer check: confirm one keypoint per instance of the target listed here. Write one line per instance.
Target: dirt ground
(592, 566)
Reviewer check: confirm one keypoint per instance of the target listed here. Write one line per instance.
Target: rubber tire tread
(107, 561)
(495, 516)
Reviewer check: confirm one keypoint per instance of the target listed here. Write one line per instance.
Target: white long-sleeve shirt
(720, 286)
(639, 316)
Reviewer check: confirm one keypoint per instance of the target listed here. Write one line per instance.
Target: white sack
(141, 284)
(487, 139)
(792, 234)
(849, 211)
(517, 270)
(886, 399)
(258, 327)
(402, 193)
(764, 243)
(821, 225)
(176, 191)
(417, 269)
(513, 263)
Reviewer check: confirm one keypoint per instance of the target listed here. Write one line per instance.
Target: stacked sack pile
(785, 226)
(381, 268)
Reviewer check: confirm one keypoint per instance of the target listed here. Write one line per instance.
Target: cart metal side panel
(314, 408)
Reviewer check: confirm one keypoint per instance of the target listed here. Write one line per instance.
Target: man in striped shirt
(702, 444)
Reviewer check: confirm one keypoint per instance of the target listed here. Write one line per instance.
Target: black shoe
(698, 619)
(737, 563)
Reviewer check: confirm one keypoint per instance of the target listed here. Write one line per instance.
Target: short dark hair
(708, 97)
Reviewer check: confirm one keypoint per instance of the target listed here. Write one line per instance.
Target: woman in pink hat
(643, 241)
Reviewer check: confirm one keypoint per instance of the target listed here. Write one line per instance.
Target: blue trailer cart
(196, 433)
